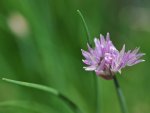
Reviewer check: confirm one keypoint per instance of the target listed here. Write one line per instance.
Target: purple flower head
(106, 60)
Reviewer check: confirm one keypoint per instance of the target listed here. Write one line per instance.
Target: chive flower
(106, 60)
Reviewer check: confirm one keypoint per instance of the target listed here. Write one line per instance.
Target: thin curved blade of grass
(85, 26)
(89, 42)
(32, 106)
(36, 86)
(47, 89)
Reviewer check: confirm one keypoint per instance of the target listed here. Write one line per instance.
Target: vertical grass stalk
(85, 26)
(89, 42)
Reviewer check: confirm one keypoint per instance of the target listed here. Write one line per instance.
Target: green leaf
(94, 77)
(47, 89)
(32, 85)
(27, 105)
(85, 26)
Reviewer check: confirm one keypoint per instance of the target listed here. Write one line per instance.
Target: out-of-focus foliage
(40, 42)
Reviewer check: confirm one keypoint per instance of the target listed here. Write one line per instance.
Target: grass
(50, 55)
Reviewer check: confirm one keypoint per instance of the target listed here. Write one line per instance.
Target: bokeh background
(40, 42)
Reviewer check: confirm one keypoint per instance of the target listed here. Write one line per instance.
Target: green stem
(96, 93)
(85, 26)
(47, 89)
(89, 42)
(120, 96)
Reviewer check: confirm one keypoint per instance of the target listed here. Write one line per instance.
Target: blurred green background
(40, 42)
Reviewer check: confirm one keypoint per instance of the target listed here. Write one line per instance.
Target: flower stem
(120, 96)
